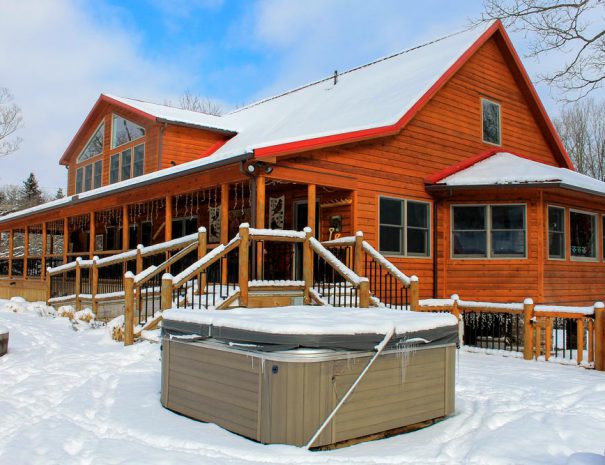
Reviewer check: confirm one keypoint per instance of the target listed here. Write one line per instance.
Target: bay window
(556, 233)
(583, 234)
(489, 231)
(404, 227)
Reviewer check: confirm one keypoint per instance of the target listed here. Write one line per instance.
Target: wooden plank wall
(182, 144)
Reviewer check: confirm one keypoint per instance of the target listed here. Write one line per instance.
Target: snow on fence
(538, 331)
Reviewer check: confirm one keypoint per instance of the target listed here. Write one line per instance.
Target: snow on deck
(74, 397)
(315, 320)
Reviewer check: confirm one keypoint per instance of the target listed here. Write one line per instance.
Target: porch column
(311, 207)
(224, 227)
(10, 254)
(65, 238)
(43, 259)
(125, 228)
(168, 219)
(91, 236)
(25, 251)
(260, 222)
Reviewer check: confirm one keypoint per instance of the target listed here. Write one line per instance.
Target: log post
(43, 258)
(590, 341)
(10, 254)
(78, 284)
(224, 228)
(92, 231)
(548, 338)
(311, 208)
(125, 228)
(538, 337)
(166, 292)
(455, 309)
(599, 336)
(65, 239)
(128, 308)
(358, 254)
(414, 294)
(94, 284)
(308, 265)
(48, 283)
(260, 223)
(168, 219)
(25, 251)
(139, 259)
(202, 250)
(580, 340)
(364, 293)
(528, 330)
(244, 234)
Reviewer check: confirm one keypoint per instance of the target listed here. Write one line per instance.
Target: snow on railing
(382, 261)
(279, 233)
(335, 263)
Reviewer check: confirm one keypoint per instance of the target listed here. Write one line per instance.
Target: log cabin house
(442, 155)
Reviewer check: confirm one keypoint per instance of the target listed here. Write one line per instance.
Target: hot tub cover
(314, 327)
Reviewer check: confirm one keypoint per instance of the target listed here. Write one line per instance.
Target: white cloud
(57, 59)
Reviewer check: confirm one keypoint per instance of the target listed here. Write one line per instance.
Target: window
(556, 233)
(98, 173)
(125, 162)
(139, 157)
(488, 231)
(124, 131)
(79, 176)
(490, 112)
(582, 234)
(88, 177)
(114, 168)
(94, 146)
(404, 227)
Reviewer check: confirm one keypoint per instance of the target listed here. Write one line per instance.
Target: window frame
(118, 153)
(78, 161)
(548, 257)
(405, 254)
(499, 144)
(82, 169)
(595, 215)
(488, 231)
(80, 174)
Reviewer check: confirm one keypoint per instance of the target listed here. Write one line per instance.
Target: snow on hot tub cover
(3, 330)
(316, 327)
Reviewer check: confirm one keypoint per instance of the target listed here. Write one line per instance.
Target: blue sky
(58, 56)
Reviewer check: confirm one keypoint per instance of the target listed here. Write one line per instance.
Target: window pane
(556, 245)
(418, 243)
(126, 164)
(508, 243)
(418, 215)
(582, 235)
(491, 122)
(88, 177)
(114, 169)
(469, 218)
(94, 146)
(391, 239)
(391, 211)
(139, 156)
(124, 131)
(556, 219)
(508, 217)
(98, 172)
(470, 243)
(79, 176)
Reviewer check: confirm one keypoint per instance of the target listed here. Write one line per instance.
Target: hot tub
(275, 375)
(3, 340)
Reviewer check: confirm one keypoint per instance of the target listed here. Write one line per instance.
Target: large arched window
(94, 146)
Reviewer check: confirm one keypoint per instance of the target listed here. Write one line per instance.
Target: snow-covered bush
(85, 316)
(66, 311)
(115, 328)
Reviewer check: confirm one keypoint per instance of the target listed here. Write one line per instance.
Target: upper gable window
(491, 122)
(124, 131)
(94, 146)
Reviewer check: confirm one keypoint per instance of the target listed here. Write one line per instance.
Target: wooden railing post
(78, 284)
(48, 284)
(244, 234)
(308, 265)
(590, 340)
(599, 336)
(580, 340)
(358, 254)
(94, 283)
(202, 250)
(528, 329)
(166, 292)
(414, 293)
(128, 308)
(364, 293)
(455, 309)
(139, 259)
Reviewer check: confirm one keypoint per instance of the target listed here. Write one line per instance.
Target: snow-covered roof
(505, 168)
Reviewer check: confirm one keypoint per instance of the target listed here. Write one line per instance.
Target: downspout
(161, 145)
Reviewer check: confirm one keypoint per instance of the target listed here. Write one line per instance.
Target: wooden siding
(181, 144)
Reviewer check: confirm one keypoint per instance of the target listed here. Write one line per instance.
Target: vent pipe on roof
(335, 76)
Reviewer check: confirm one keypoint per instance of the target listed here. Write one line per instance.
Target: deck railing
(536, 331)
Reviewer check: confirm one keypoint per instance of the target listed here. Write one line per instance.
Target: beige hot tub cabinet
(283, 397)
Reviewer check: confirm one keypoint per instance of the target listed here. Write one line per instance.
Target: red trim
(467, 163)
(91, 114)
(214, 148)
(319, 142)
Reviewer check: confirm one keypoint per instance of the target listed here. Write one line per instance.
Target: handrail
(150, 273)
(71, 265)
(346, 241)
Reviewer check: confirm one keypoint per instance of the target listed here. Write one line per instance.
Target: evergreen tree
(31, 194)
(59, 194)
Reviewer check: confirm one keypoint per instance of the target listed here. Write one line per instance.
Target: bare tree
(574, 27)
(581, 126)
(189, 101)
(10, 121)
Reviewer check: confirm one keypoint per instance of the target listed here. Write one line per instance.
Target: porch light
(251, 169)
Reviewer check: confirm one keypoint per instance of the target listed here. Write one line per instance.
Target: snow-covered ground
(76, 397)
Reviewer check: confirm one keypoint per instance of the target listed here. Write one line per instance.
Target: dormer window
(124, 131)
(94, 146)
(490, 112)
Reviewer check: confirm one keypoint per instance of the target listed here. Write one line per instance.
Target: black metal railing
(496, 331)
(17, 267)
(384, 286)
(276, 258)
(332, 286)
(34, 267)
(111, 277)
(564, 338)
(63, 284)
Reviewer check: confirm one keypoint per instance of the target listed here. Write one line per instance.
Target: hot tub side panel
(212, 386)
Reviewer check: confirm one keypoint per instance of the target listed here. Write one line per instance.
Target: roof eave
(532, 185)
(227, 132)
